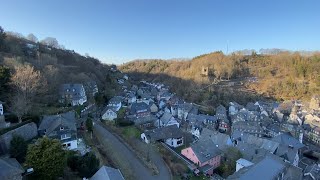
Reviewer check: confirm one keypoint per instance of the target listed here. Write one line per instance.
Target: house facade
(171, 135)
(115, 103)
(205, 155)
(109, 114)
(61, 127)
(73, 94)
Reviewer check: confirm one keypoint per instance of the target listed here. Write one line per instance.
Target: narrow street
(140, 171)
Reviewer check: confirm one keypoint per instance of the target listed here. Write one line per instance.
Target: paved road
(141, 172)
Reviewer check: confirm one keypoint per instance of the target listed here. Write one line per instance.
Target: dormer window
(68, 90)
(61, 128)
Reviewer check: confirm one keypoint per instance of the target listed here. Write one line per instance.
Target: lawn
(131, 131)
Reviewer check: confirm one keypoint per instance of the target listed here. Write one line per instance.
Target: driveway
(140, 171)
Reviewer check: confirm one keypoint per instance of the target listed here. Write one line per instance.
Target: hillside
(280, 76)
(55, 65)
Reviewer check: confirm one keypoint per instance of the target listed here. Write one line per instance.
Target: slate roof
(250, 151)
(164, 133)
(107, 173)
(116, 100)
(166, 117)
(49, 123)
(268, 168)
(287, 140)
(9, 167)
(219, 139)
(205, 150)
(140, 106)
(221, 109)
(76, 91)
(288, 146)
(252, 107)
(312, 170)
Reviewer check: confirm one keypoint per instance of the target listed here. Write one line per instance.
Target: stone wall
(27, 131)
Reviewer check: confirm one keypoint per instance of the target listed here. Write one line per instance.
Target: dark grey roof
(287, 140)
(252, 107)
(288, 146)
(250, 151)
(221, 109)
(76, 91)
(268, 168)
(312, 170)
(9, 167)
(140, 106)
(205, 150)
(164, 133)
(166, 117)
(107, 173)
(116, 100)
(49, 123)
(219, 139)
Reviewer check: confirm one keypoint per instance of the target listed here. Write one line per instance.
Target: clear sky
(116, 31)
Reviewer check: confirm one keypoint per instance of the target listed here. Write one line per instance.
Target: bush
(85, 165)
(18, 148)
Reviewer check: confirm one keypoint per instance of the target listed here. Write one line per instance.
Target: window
(65, 136)
(69, 144)
(61, 128)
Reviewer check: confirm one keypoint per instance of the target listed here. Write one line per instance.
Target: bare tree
(27, 82)
(32, 37)
(50, 41)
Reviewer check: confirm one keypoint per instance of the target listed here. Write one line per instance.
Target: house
(253, 128)
(273, 130)
(171, 135)
(241, 163)
(109, 113)
(204, 154)
(131, 98)
(185, 109)
(61, 127)
(252, 107)
(166, 120)
(73, 94)
(234, 108)
(140, 109)
(153, 108)
(221, 141)
(91, 88)
(313, 135)
(1, 108)
(270, 167)
(116, 102)
(10, 169)
(113, 68)
(289, 148)
(27, 132)
(126, 77)
(107, 173)
(260, 143)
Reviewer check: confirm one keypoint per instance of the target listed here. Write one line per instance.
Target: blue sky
(117, 31)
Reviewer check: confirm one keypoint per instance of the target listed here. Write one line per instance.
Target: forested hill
(284, 75)
(48, 61)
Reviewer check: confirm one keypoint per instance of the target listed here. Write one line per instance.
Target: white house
(171, 135)
(1, 108)
(115, 103)
(109, 114)
(73, 94)
(61, 127)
